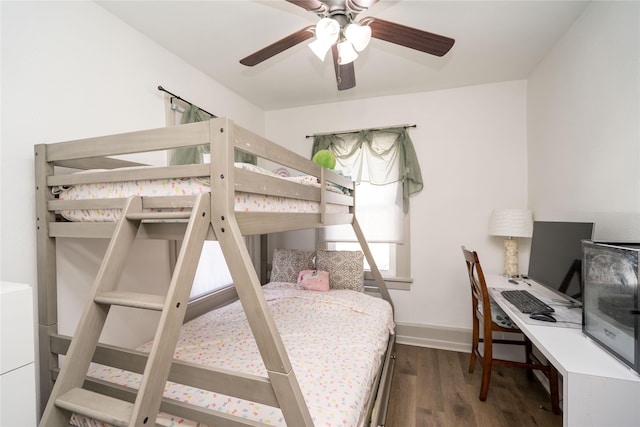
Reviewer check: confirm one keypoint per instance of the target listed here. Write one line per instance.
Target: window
(385, 168)
(213, 273)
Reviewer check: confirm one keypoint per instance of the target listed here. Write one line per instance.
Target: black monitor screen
(556, 255)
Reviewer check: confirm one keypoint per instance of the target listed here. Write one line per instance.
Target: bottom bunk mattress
(335, 340)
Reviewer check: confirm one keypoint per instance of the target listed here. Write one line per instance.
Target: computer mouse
(543, 317)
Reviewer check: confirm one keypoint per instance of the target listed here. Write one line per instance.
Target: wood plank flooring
(434, 388)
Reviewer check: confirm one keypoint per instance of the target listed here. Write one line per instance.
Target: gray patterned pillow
(287, 263)
(346, 268)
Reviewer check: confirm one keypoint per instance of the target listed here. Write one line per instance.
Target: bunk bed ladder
(68, 395)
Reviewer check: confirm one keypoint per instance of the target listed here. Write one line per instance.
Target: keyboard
(525, 302)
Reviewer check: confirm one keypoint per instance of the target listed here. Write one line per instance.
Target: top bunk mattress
(335, 340)
(244, 202)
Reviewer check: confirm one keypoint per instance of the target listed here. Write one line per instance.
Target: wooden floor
(434, 388)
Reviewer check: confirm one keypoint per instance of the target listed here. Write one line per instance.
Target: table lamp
(511, 223)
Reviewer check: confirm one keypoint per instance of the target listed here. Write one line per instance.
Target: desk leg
(596, 401)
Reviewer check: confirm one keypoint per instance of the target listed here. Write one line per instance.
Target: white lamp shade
(320, 48)
(511, 223)
(328, 29)
(358, 35)
(346, 52)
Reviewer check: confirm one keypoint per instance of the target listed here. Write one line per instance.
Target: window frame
(400, 252)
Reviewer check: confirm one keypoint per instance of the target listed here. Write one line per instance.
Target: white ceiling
(495, 41)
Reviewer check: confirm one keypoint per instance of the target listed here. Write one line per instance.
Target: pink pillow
(313, 280)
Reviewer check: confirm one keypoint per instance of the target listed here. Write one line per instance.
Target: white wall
(73, 70)
(471, 143)
(584, 124)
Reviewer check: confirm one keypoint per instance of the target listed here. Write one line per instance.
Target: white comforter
(335, 341)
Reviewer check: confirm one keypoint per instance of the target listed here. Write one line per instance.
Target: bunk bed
(211, 212)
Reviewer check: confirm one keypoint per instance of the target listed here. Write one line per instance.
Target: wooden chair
(488, 314)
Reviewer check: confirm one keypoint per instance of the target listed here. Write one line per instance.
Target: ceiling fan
(339, 32)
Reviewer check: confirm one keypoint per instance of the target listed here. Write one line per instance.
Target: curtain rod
(160, 88)
(359, 130)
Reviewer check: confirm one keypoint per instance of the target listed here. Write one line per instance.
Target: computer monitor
(555, 260)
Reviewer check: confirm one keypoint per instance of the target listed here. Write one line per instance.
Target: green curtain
(397, 147)
(194, 155)
(191, 155)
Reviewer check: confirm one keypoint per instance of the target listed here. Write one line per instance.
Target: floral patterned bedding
(244, 202)
(335, 340)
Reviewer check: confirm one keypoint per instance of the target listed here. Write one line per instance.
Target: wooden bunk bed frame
(218, 221)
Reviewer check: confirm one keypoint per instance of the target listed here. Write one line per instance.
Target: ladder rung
(131, 299)
(157, 216)
(97, 406)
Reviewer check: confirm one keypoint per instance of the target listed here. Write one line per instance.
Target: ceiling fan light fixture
(358, 35)
(346, 52)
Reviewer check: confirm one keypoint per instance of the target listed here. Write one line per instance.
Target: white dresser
(17, 367)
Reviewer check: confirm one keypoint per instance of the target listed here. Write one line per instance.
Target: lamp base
(510, 257)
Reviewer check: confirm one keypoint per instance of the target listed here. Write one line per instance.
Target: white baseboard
(432, 336)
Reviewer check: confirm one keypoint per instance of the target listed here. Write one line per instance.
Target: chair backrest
(478, 284)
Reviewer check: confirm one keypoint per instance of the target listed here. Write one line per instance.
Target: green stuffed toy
(325, 158)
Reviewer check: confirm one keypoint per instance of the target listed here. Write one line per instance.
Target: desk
(597, 390)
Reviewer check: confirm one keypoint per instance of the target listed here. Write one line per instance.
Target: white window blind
(375, 167)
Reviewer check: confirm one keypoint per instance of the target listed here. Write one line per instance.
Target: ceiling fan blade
(345, 74)
(279, 46)
(413, 38)
(360, 5)
(315, 6)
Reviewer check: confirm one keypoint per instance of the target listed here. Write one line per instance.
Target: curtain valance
(388, 154)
